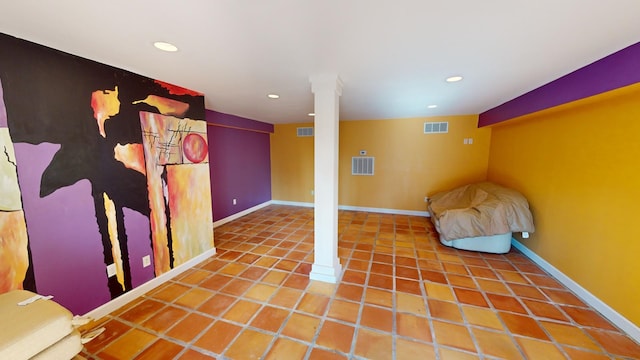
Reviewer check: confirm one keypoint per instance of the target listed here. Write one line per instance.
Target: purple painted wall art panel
(240, 165)
(139, 235)
(67, 239)
(617, 70)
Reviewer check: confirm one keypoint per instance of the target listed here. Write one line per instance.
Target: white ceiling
(392, 56)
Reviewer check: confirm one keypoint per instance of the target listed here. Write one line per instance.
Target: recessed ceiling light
(273, 96)
(432, 106)
(454, 78)
(165, 46)
(311, 114)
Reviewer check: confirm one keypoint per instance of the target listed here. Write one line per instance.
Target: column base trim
(329, 274)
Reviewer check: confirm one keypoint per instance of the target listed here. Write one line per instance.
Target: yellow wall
(291, 164)
(408, 163)
(579, 166)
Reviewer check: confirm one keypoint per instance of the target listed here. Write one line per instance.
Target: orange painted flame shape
(105, 104)
(132, 156)
(166, 106)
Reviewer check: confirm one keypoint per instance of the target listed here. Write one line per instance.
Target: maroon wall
(239, 161)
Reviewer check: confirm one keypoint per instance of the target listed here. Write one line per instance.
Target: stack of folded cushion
(40, 329)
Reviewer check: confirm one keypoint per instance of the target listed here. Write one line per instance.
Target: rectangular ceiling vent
(436, 127)
(362, 165)
(305, 131)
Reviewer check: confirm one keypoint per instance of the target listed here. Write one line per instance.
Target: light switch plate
(111, 270)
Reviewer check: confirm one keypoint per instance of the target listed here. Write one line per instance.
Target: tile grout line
(291, 238)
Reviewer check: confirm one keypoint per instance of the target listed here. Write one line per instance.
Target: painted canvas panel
(177, 166)
(191, 216)
(73, 166)
(14, 258)
(14, 246)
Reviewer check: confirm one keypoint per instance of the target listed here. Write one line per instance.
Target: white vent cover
(436, 127)
(362, 165)
(305, 131)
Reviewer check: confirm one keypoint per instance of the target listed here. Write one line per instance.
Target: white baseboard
(240, 214)
(292, 203)
(357, 208)
(384, 211)
(620, 321)
(129, 296)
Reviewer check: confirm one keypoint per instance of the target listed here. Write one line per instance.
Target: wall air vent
(305, 131)
(436, 127)
(362, 165)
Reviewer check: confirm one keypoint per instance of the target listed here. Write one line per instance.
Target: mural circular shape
(195, 148)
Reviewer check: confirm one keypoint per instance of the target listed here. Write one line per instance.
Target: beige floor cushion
(66, 348)
(28, 330)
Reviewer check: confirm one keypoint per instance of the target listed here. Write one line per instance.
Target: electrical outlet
(312, 192)
(234, 201)
(111, 270)
(146, 261)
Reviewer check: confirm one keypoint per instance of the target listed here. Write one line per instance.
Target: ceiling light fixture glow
(432, 106)
(165, 46)
(454, 78)
(273, 96)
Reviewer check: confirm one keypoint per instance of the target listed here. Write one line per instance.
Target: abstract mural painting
(177, 163)
(14, 253)
(79, 180)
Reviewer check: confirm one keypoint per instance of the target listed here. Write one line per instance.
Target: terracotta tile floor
(402, 296)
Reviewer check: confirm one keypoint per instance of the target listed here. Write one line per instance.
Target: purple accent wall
(67, 255)
(139, 235)
(617, 70)
(219, 118)
(240, 163)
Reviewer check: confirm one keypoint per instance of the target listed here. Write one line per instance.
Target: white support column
(327, 89)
